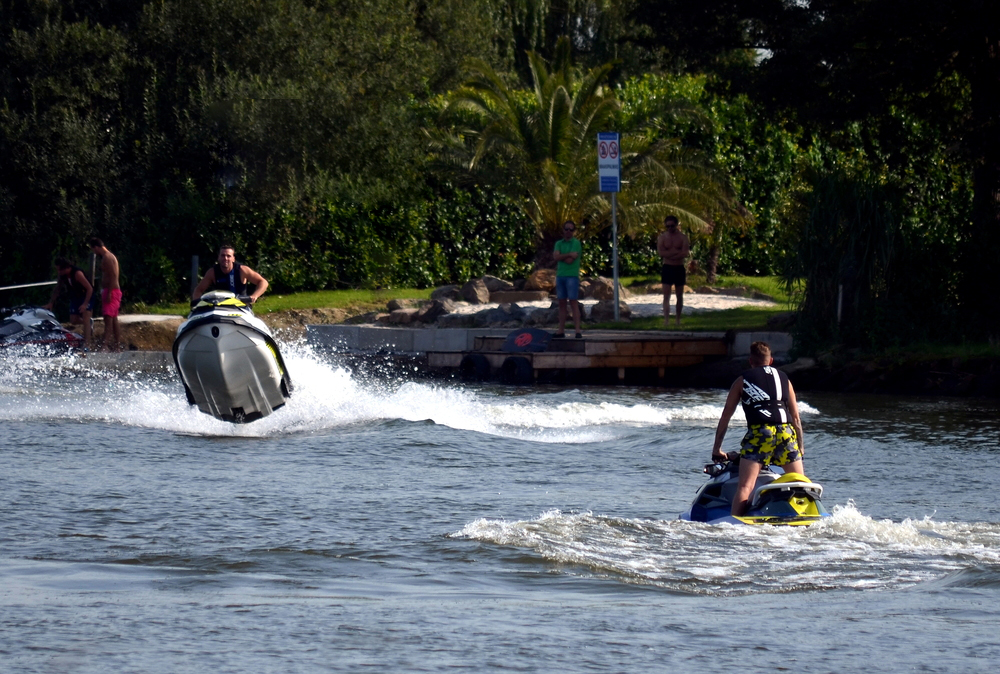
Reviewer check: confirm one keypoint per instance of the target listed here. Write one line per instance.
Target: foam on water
(325, 396)
(848, 551)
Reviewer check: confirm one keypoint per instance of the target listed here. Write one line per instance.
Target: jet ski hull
(777, 499)
(230, 365)
(28, 326)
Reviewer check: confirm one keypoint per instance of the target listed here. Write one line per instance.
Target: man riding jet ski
(226, 356)
(780, 499)
(774, 436)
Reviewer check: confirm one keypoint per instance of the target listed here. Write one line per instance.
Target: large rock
(602, 288)
(476, 292)
(604, 311)
(456, 321)
(508, 296)
(541, 279)
(434, 310)
(496, 285)
(403, 316)
(402, 304)
(504, 315)
(548, 316)
(447, 293)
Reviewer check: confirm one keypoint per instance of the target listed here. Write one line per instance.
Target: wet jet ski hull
(777, 499)
(230, 364)
(27, 326)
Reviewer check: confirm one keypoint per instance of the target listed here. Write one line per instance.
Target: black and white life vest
(764, 397)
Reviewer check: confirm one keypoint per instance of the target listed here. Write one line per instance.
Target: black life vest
(764, 397)
(77, 291)
(233, 281)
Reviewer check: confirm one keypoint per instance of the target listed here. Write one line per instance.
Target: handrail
(29, 285)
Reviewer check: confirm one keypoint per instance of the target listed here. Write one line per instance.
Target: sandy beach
(646, 305)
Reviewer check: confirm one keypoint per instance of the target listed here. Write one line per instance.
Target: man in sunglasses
(567, 253)
(674, 248)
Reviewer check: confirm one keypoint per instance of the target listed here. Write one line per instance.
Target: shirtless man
(228, 274)
(674, 249)
(111, 294)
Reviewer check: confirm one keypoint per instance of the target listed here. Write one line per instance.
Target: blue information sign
(609, 165)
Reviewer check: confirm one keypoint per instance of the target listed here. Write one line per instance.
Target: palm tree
(539, 147)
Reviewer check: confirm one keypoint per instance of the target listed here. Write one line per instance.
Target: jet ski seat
(787, 482)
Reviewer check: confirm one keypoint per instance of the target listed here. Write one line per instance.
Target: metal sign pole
(609, 172)
(614, 247)
(195, 269)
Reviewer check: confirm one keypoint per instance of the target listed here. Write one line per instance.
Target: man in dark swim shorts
(774, 429)
(673, 247)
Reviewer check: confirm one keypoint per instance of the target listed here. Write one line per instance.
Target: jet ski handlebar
(713, 469)
(246, 299)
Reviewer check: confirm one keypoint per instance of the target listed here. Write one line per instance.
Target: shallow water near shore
(394, 525)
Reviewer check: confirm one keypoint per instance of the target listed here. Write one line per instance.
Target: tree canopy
(299, 130)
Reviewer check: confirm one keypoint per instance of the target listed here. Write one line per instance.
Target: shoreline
(920, 378)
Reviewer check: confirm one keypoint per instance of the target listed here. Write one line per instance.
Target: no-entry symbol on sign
(609, 162)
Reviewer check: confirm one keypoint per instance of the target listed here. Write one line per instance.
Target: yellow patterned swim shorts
(766, 444)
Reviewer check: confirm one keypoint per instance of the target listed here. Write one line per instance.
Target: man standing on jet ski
(774, 429)
(227, 274)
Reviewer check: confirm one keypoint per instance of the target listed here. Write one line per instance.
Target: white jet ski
(228, 360)
(27, 325)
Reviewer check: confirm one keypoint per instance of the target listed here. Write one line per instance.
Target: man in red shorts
(111, 294)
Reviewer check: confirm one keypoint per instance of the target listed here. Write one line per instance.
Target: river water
(392, 525)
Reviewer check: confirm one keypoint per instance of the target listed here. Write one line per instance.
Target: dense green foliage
(853, 144)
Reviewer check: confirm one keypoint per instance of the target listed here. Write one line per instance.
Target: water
(386, 525)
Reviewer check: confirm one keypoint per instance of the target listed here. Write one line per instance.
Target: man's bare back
(109, 271)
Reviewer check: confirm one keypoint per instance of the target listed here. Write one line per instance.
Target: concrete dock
(600, 356)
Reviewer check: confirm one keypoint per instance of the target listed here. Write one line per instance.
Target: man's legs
(112, 333)
(794, 467)
(666, 304)
(679, 289)
(576, 315)
(749, 470)
(562, 316)
(83, 317)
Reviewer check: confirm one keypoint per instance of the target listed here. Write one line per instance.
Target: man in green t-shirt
(567, 253)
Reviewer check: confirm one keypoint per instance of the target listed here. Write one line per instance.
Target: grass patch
(359, 301)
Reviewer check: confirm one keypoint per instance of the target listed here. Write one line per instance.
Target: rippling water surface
(386, 525)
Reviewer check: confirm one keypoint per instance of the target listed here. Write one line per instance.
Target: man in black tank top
(74, 282)
(774, 429)
(227, 274)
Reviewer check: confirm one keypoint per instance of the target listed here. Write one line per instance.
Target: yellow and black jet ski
(228, 361)
(789, 499)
